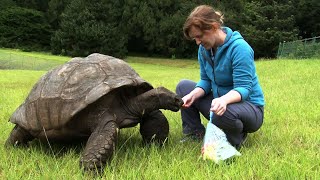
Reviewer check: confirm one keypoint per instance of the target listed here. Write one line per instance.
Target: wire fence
(300, 49)
(24, 62)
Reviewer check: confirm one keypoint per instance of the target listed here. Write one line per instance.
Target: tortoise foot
(100, 147)
(18, 137)
(154, 128)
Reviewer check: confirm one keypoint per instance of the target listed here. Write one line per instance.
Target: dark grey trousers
(238, 120)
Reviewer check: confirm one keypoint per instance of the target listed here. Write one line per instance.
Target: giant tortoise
(91, 98)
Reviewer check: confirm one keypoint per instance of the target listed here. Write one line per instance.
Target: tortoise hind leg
(100, 146)
(154, 127)
(18, 136)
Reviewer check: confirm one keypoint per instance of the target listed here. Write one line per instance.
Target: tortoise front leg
(100, 146)
(154, 127)
(18, 137)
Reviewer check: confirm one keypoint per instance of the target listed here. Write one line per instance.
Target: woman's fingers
(218, 106)
(220, 112)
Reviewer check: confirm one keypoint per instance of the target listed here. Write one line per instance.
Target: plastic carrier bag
(215, 145)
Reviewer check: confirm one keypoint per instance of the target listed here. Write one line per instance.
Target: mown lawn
(286, 147)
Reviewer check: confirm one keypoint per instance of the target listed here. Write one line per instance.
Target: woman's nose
(198, 42)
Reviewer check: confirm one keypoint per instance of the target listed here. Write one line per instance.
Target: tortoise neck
(144, 103)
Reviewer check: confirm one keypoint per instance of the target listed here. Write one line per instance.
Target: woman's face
(206, 38)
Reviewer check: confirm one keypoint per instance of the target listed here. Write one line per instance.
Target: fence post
(279, 50)
(305, 53)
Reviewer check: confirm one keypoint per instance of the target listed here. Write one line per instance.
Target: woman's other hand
(218, 106)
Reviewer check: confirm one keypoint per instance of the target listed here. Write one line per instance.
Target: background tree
(155, 27)
(231, 11)
(40, 5)
(88, 27)
(54, 11)
(148, 27)
(6, 3)
(307, 17)
(24, 28)
(265, 24)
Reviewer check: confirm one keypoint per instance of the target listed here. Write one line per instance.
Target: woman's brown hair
(202, 17)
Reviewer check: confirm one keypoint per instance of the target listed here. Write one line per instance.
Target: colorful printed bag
(215, 145)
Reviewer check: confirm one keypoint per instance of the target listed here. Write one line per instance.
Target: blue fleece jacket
(234, 69)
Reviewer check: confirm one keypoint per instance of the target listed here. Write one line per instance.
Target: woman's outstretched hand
(192, 96)
(187, 100)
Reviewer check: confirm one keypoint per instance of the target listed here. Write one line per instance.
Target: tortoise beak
(178, 103)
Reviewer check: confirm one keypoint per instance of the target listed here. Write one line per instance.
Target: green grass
(286, 147)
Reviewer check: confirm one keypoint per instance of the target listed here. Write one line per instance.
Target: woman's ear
(215, 26)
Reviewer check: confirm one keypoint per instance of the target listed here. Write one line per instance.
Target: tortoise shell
(66, 90)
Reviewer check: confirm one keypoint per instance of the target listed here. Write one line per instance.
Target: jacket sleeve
(204, 82)
(243, 69)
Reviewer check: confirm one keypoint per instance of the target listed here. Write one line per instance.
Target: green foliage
(7, 3)
(55, 9)
(307, 17)
(40, 5)
(231, 11)
(88, 27)
(24, 28)
(154, 27)
(149, 27)
(265, 24)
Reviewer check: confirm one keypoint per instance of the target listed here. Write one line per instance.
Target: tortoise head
(168, 99)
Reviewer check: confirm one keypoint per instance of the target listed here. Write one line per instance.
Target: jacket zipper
(214, 75)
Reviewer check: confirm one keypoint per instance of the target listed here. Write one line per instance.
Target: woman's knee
(228, 123)
(184, 87)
